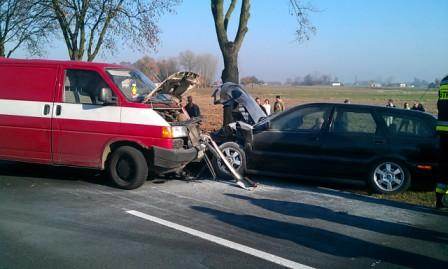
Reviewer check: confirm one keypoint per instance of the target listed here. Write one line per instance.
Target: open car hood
(176, 85)
(230, 94)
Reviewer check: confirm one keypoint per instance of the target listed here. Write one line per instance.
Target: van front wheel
(128, 168)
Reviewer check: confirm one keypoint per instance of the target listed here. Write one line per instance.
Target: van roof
(59, 62)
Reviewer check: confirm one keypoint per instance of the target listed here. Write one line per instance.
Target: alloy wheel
(389, 176)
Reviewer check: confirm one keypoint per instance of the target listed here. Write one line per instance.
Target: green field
(377, 96)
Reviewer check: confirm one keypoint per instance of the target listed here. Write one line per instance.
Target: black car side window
(308, 119)
(355, 122)
(405, 125)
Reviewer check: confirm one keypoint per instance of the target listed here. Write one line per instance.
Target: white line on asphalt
(220, 241)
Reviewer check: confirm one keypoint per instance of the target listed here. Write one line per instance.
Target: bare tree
(206, 67)
(149, 67)
(89, 25)
(23, 23)
(167, 67)
(230, 49)
(188, 61)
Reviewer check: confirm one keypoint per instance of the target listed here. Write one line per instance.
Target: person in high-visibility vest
(442, 129)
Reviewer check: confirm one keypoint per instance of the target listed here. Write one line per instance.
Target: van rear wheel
(128, 168)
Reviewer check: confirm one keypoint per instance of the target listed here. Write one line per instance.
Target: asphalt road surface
(71, 218)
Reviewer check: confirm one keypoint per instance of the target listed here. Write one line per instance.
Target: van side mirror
(107, 97)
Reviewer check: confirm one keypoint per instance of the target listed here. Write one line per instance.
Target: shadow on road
(302, 210)
(323, 240)
(344, 190)
(16, 169)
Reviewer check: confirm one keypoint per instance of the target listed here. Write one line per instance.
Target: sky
(364, 39)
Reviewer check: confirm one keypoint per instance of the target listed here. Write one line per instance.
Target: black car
(387, 147)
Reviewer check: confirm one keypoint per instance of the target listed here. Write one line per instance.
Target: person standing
(390, 103)
(390, 119)
(442, 129)
(421, 108)
(258, 100)
(191, 108)
(267, 106)
(406, 106)
(279, 106)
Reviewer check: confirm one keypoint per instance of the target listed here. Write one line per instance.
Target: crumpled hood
(229, 93)
(176, 85)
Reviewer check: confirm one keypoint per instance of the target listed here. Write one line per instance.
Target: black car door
(354, 139)
(290, 142)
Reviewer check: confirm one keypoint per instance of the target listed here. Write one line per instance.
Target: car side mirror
(107, 97)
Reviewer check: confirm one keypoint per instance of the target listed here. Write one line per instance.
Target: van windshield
(132, 83)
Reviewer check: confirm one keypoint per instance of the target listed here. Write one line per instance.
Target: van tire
(239, 158)
(389, 170)
(128, 168)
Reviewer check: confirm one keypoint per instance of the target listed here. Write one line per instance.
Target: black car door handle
(46, 109)
(380, 141)
(58, 110)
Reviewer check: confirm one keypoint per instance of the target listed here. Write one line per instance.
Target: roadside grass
(423, 198)
(212, 114)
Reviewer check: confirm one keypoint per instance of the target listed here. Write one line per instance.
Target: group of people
(417, 105)
(279, 106)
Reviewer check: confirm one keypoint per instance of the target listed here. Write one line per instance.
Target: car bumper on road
(172, 160)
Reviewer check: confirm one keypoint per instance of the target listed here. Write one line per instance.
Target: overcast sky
(375, 39)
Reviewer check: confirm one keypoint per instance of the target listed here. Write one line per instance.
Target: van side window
(405, 125)
(354, 122)
(83, 87)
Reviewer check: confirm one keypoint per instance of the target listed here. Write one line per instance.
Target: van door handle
(46, 109)
(58, 110)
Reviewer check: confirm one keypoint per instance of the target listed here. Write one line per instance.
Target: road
(70, 218)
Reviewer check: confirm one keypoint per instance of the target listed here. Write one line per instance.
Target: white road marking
(223, 242)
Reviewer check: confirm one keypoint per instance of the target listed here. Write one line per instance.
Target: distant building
(403, 85)
(375, 85)
(337, 84)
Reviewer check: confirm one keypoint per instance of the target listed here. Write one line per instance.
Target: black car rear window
(408, 125)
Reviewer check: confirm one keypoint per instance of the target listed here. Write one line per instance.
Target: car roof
(59, 62)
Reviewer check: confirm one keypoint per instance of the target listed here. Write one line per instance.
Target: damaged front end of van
(166, 100)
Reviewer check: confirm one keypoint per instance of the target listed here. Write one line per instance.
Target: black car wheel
(389, 177)
(235, 156)
(128, 168)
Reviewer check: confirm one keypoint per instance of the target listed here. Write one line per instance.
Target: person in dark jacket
(442, 129)
(192, 109)
(258, 100)
(418, 106)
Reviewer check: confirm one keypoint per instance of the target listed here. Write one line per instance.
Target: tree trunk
(74, 55)
(2, 50)
(230, 72)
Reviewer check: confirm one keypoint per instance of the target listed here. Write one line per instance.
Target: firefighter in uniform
(442, 129)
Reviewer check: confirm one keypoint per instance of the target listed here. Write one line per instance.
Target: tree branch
(242, 27)
(217, 11)
(229, 13)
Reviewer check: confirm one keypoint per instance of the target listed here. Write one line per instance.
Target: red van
(96, 115)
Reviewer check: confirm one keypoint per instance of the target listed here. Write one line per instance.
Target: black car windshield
(132, 83)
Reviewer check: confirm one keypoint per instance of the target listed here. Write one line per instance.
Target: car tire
(235, 155)
(389, 177)
(128, 168)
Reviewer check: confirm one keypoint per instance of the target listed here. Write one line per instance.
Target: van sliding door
(26, 102)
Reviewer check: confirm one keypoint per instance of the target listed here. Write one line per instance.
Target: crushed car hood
(229, 93)
(177, 85)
